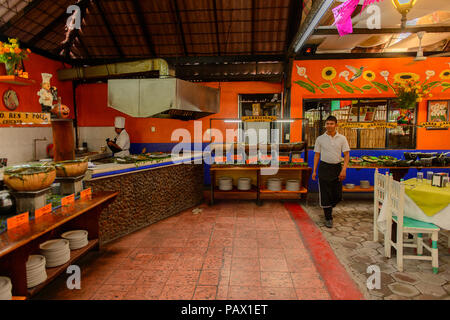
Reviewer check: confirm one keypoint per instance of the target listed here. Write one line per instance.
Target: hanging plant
(11, 55)
(410, 92)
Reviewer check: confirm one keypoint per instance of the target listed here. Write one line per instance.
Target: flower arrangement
(410, 92)
(11, 55)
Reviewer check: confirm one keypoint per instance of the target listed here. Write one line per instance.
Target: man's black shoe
(329, 223)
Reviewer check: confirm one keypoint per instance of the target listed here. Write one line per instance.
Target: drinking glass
(420, 176)
(430, 175)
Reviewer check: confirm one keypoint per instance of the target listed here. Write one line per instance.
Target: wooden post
(63, 139)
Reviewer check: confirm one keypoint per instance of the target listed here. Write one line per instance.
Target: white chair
(395, 214)
(381, 190)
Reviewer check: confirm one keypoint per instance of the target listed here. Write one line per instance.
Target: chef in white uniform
(121, 144)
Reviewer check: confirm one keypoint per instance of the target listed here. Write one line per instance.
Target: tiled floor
(351, 238)
(233, 250)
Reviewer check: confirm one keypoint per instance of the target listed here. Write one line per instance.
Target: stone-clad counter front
(147, 196)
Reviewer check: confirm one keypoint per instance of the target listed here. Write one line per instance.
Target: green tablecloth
(429, 199)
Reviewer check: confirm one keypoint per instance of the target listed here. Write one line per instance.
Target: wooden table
(258, 192)
(18, 243)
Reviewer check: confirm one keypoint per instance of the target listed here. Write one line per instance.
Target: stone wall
(147, 197)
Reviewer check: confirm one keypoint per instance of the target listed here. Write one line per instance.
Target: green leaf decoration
(445, 89)
(381, 86)
(367, 87)
(431, 84)
(305, 85)
(445, 84)
(325, 85)
(345, 87)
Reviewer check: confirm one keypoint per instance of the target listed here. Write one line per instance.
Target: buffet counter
(148, 192)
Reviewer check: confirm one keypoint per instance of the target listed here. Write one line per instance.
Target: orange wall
(28, 98)
(93, 111)
(426, 139)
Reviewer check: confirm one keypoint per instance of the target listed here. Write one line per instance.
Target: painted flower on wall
(430, 74)
(445, 75)
(385, 74)
(344, 74)
(369, 75)
(311, 86)
(329, 73)
(406, 76)
(301, 71)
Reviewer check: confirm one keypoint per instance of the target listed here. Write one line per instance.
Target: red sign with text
(66, 201)
(18, 220)
(44, 210)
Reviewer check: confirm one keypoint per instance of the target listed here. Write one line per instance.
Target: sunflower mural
(345, 81)
(328, 74)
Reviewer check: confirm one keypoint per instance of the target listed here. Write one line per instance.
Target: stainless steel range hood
(162, 98)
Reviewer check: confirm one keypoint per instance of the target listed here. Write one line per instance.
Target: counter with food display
(151, 188)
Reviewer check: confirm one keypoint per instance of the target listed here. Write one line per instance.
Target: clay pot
(61, 111)
(71, 169)
(27, 180)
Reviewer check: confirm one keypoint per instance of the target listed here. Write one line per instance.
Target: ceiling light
(404, 7)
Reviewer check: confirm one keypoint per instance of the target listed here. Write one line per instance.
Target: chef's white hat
(119, 122)
(46, 77)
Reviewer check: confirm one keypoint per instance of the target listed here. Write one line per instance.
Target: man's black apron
(330, 187)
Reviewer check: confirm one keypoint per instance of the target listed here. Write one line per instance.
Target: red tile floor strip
(338, 282)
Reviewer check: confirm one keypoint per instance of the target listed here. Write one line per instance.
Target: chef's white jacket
(123, 141)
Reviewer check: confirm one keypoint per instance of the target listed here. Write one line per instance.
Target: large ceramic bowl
(71, 168)
(29, 177)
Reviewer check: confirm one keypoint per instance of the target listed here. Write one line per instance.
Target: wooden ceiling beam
(108, 27)
(216, 23)
(21, 14)
(180, 25)
(142, 24)
(329, 31)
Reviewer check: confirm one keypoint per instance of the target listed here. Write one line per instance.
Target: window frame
(389, 106)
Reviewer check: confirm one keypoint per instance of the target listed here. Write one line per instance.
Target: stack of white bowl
(5, 288)
(56, 252)
(36, 273)
(77, 238)
(225, 183)
(274, 184)
(244, 184)
(293, 185)
(364, 184)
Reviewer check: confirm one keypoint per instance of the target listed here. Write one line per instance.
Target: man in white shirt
(328, 149)
(121, 144)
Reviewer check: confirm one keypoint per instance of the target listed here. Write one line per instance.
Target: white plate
(54, 245)
(35, 261)
(75, 235)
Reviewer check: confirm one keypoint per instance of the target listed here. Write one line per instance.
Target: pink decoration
(343, 15)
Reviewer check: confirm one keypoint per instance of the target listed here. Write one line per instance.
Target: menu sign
(86, 194)
(18, 220)
(66, 201)
(44, 210)
(23, 118)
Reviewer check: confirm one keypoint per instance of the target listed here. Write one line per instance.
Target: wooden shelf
(52, 273)
(235, 190)
(358, 189)
(302, 190)
(16, 80)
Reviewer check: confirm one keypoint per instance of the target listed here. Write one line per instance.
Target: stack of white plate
(364, 184)
(77, 238)
(225, 183)
(36, 273)
(56, 252)
(5, 288)
(293, 185)
(244, 184)
(274, 184)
